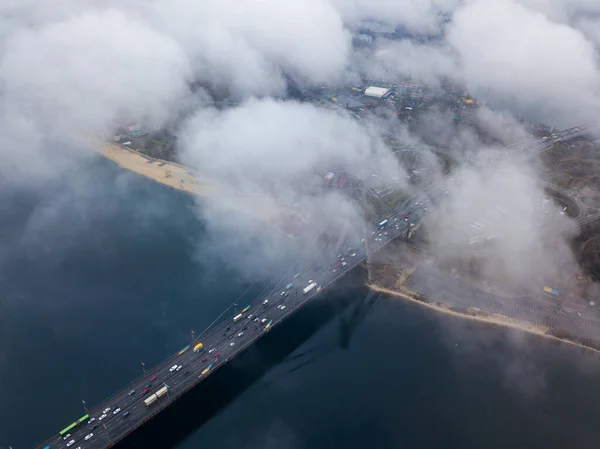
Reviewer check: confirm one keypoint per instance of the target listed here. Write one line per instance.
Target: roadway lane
(227, 340)
(225, 337)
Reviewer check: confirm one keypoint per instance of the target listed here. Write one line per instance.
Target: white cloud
(92, 69)
(518, 56)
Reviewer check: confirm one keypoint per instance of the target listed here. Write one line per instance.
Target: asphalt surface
(222, 343)
(229, 339)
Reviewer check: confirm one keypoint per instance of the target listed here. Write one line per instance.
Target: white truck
(309, 287)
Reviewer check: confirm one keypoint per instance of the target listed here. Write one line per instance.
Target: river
(102, 270)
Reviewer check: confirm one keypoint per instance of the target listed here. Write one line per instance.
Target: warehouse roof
(377, 92)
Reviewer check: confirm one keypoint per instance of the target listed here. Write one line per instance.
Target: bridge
(119, 415)
(109, 422)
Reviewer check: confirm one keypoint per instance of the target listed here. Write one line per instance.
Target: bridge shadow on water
(174, 424)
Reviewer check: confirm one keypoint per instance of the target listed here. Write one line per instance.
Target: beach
(179, 177)
(164, 172)
(488, 318)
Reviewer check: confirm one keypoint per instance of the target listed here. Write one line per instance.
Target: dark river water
(102, 270)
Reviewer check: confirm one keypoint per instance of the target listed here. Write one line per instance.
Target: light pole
(193, 336)
(107, 434)
(144, 368)
(85, 407)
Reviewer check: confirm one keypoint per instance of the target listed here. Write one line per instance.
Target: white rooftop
(376, 92)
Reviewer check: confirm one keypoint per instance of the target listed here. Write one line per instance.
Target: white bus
(237, 317)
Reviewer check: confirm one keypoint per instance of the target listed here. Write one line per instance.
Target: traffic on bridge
(119, 415)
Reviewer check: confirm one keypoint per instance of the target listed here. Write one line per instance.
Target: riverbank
(488, 318)
(161, 171)
(181, 178)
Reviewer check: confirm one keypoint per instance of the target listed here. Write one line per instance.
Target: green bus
(75, 424)
(83, 418)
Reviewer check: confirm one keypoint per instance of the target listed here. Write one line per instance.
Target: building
(376, 92)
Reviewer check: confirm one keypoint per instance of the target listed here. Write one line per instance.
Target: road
(230, 338)
(223, 342)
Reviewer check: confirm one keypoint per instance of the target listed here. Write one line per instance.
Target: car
(227, 328)
(95, 426)
(173, 368)
(289, 286)
(297, 275)
(245, 327)
(91, 420)
(344, 264)
(149, 386)
(353, 255)
(217, 354)
(132, 392)
(106, 410)
(116, 411)
(70, 443)
(388, 232)
(264, 320)
(153, 378)
(204, 360)
(67, 436)
(126, 414)
(256, 320)
(102, 416)
(212, 350)
(146, 391)
(240, 334)
(282, 307)
(179, 368)
(265, 302)
(231, 344)
(284, 294)
(88, 436)
(250, 317)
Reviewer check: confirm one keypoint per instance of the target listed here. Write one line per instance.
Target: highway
(124, 411)
(222, 343)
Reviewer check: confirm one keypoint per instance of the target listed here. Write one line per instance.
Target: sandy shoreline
(495, 320)
(181, 178)
(163, 172)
